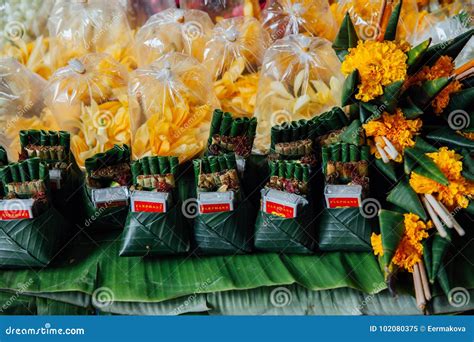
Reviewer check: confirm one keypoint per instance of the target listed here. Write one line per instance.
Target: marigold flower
(376, 241)
(457, 192)
(396, 128)
(379, 64)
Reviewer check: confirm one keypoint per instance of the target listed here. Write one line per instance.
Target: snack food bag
(300, 78)
(234, 56)
(21, 104)
(88, 98)
(173, 30)
(219, 10)
(171, 104)
(155, 224)
(80, 27)
(311, 17)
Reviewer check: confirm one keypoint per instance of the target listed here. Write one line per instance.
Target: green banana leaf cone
(225, 232)
(151, 234)
(286, 235)
(32, 242)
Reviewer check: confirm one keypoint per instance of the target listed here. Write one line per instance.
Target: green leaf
(422, 95)
(390, 96)
(369, 111)
(415, 55)
(344, 229)
(408, 165)
(391, 30)
(443, 281)
(352, 134)
(349, 88)
(424, 146)
(392, 228)
(403, 196)
(388, 169)
(426, 166)
(446, 136)
(410, 110)
(439, 248)
(449, 48)
(428, 257)
(279, 234)
(461, 100)
(224, 232)
(155, 233)
(346, 38)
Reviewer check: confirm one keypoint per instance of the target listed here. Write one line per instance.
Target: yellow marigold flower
(396, 128)
(469, 135)
(376, 241)
(410, 250)
(457, 192)
(379, 64)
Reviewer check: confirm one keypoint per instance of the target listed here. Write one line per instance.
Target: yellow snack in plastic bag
(173, 30)
(88, 98)
(171, 104)
(312, 17)
(234, 55)
(300, 78)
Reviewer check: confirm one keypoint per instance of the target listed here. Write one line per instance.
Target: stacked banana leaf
(155, 226)
(224, 215)
(3, 156)
(105, 190)
(448, 126)
(231, 134)
(53, 148)
(31, 229)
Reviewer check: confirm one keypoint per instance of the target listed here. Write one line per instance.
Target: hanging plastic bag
(139, 11)
(173, 30)
(365, 15)
(21, 104)
(234, 55)
(89, 98)
(300, 78)
(312, 17)
(78, 28)
(219, 10)
(171, 104)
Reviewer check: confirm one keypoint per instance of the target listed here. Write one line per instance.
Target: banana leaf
(421, 96)
(352, 134)
(446, 136)
(155, 233)
(405, 197)
(368, 111)
(428, 257)
(285, 235)
(392, 228)
(101, 218)
(225, 232)
(426, 166)
(349, 88)
(344, 229)
(415, 55)
(449, 48)
(346, 38)
(391, 30)
(388, 169)
(439, 247)
(32, 242)
(462, 100)
(390, 96)
(443, 281)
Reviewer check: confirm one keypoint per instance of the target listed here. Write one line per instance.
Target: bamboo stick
(383, 154)
(445, 216)
(420, 297)
(434, 218)
(456, 224)
(424, 280)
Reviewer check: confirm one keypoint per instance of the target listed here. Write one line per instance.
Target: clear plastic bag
(21, 104)
(78, 28)
(89, 98)
(300, 78)
(173, 30)
(138, 11)
(365, 15)
(313, 17)
(234, 55)
(171, 104)
(218, 9)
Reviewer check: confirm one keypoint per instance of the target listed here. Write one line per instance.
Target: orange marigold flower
(396, 128)
(379, 64)
(459, 190)
(376, 241)
(469, 135)
(410, 250)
